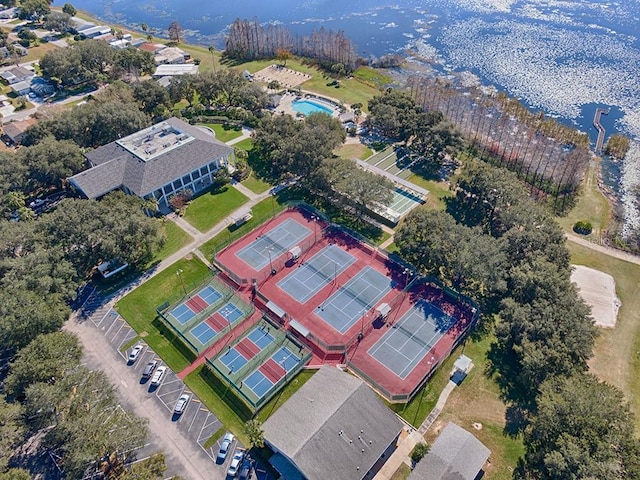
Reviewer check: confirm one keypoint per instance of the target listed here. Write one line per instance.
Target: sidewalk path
(612, 252)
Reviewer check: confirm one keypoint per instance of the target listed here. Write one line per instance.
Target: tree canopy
(582, 429)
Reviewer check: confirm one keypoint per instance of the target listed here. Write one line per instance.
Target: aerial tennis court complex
(343, 299)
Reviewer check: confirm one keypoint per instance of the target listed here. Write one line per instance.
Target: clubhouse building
(155, 162)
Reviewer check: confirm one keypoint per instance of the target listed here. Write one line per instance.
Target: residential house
(155, 162)
(16, 75)
(334, 427)
(171, 55)
(93, 32)
(175, 70)
(456, 454)
(14, 131)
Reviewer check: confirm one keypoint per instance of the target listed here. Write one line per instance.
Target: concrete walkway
(246, 133)
(442, 400)
(199, 238)
(409, 438)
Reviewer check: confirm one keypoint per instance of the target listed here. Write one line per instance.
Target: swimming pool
(307, 107)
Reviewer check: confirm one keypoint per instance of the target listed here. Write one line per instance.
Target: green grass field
(139, 309)
(176, 238)
(256, 185)
(246, 144)
(353, 150)
(616, 357)
(351, 90)
(224, 133)
(212, 207)
(477, 401)
(438, 191)
(591, 206)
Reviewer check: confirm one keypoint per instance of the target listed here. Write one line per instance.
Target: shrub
(419, 451)
(583, 227)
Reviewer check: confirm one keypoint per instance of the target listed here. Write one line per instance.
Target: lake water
(564, 57)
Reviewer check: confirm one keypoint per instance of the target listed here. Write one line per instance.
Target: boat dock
(599, 127)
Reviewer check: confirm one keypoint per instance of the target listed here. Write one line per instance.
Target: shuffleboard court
(411, 338)
(312, 275)
(182, 313)
(342, 309)
(403, 201)
(273, 243)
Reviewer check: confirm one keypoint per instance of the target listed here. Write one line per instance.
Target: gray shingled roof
(455, 455)
(142, 177)
(335, 427)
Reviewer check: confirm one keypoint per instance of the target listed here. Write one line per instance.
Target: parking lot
(197, 422)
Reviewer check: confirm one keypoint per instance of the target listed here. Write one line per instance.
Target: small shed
(383, 310)
(461, 368)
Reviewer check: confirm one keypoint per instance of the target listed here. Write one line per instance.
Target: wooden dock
(599, 127)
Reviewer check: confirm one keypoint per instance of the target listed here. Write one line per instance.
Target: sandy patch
(598, 290)
(286, 77)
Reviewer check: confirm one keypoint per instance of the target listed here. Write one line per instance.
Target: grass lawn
(36, 53)
(616, 357)
(176, 238)
(438, 191)
(592, 206)
(477, 400)
(139, 309)
(255, 184)
(350, 91)
(246, 144)
(353, 150)
(402, 473)
(374, 77)
(224, 133)
(261, 212)
(211, 207)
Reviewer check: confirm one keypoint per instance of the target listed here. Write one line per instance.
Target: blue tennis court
(230, 312)
(272, 244)
(286, 358)
(345, 307)
(409, 340)
(182, 313)
(233, 360)
(320, 270)
(258, 383)
(261, 337)
(210, 294)
(203, 333)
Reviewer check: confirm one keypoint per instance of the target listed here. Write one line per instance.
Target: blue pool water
(307, 107)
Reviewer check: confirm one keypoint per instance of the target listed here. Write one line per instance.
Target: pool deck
(286, 105)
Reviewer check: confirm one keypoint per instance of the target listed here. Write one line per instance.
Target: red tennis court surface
(303, 316)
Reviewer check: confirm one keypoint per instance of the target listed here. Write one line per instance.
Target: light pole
(179, 274)
(364, 314)
(407, 272)
(270, 262)
(314, 219)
